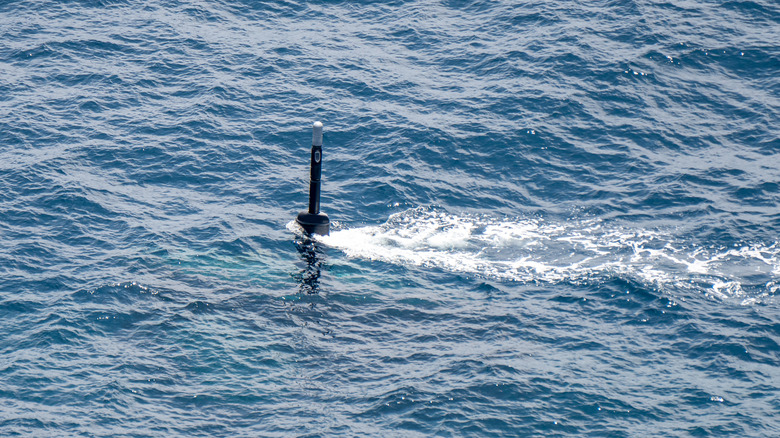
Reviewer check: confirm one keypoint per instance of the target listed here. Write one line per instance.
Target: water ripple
(548, 219)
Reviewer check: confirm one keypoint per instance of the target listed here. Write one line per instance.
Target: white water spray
(533, 250)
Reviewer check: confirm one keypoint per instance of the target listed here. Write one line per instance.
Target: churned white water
(538, 250)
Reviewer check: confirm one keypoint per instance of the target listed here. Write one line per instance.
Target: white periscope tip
(316, 139)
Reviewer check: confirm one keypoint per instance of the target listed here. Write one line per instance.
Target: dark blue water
(550, 218)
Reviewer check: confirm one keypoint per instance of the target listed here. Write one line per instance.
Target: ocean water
(549, 218)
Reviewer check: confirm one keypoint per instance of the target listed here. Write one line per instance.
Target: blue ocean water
(549, 218)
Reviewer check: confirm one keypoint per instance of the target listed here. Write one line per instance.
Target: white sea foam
(534, 250)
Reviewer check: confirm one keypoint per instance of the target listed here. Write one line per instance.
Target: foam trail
(532, 250)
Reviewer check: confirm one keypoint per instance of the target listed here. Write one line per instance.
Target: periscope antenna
(313, 221)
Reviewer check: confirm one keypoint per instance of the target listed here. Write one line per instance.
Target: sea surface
(549, 218)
